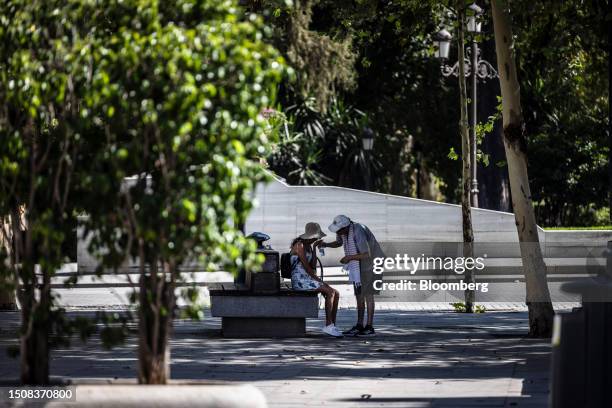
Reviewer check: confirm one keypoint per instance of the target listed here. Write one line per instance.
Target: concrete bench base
(250, 327)
(246, 314)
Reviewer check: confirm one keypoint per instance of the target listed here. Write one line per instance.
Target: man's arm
(333, 244)
(355, 257)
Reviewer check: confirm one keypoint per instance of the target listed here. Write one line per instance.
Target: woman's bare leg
(327, 294)
(335, 305)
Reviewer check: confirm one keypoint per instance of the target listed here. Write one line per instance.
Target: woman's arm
(313, 260)
(299, 250)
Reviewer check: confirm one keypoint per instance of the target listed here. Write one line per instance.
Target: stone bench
(247, 314)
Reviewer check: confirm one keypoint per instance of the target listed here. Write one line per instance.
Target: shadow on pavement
(486, 356)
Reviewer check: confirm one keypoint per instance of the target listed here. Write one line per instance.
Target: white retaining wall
(403, 223)
(283, 210)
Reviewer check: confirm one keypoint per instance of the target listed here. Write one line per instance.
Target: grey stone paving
(418, 359)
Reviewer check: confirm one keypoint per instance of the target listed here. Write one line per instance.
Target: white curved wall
(283, 210)
(401, 224)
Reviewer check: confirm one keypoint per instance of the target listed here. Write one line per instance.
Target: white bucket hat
(340, 221)
(312, 231)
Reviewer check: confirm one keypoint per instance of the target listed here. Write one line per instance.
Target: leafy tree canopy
(562, 63)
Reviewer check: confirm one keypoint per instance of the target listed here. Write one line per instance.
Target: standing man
(360, 248)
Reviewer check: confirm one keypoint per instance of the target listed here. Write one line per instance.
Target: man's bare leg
(360, 309)
(370, 302)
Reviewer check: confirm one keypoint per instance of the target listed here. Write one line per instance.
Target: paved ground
(418, 359)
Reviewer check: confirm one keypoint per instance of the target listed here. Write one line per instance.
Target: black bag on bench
(286, 266)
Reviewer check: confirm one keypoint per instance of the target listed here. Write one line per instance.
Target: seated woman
(304, 274)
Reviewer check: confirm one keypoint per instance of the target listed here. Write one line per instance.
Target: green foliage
(177, 97)
(323, 64)
(595, 228)
(320, 148)
(563, 69)
(561, 57)
(459, 307)
(41, 147)
(166, 93)
(398, 89)
(194, 309)
(484, 129)
(297, 154)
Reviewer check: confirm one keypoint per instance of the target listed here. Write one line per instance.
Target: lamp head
(474, 25)
(367, 139)
(443, 39)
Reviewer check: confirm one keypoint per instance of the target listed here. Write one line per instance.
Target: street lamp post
(476, 68)
(367, 140)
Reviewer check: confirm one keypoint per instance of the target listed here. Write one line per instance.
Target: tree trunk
(466, 176)
(538, 297)
(155, 323)
(7, 282)
(34, 340)
(34, 337)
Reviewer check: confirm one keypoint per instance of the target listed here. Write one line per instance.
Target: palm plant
(316, 148)
(297, 154)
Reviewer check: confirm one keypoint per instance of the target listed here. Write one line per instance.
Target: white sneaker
(338, 331)
(332, 331)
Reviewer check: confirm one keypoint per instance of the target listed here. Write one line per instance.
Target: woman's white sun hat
(312, 231)
(340, 221)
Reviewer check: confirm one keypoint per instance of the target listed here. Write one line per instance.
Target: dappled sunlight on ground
(417, 359)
